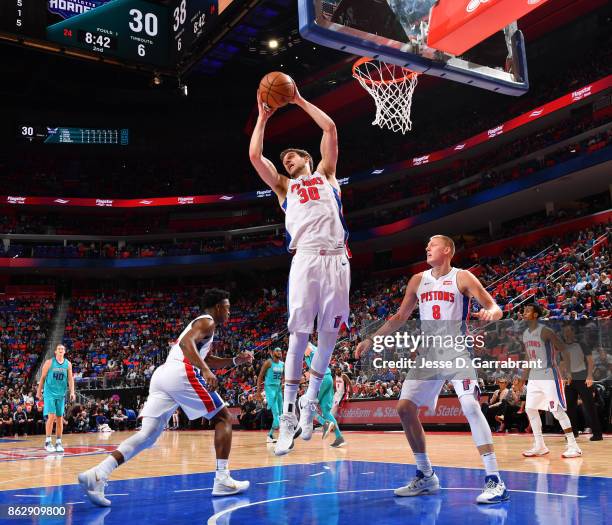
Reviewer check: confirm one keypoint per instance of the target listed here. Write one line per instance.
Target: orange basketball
(276, 89)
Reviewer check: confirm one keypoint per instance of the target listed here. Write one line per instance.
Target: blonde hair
(447, 240)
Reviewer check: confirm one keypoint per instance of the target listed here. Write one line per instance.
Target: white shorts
(546, 391)
(179, 383)
(318, 287)
(425, 392)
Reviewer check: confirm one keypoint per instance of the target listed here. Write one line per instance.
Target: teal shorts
(54, 405)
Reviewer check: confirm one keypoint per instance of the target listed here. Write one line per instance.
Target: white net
(391, 87)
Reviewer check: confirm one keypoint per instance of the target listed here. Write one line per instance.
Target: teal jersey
(308, 360)
(56, 383)
(274, 374)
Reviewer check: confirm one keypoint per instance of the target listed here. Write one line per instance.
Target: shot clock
(145, 33)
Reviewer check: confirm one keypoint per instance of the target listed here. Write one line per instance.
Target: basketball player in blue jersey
(326, 401)
(443, 294)
(184, 380)
(319, 279)
(54, 382)
(545, 389)
(271, 375)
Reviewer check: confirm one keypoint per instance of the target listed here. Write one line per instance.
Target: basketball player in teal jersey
(55, 380)
(271, 374)
(326, 401)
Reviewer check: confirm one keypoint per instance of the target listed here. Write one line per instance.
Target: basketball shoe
(94, 487)
(286, 434)
(494, 491)
(421, 484)
(308, 409)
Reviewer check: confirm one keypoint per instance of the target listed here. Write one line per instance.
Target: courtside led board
(396, 31)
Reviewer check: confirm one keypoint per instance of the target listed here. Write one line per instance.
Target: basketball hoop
(391, 87)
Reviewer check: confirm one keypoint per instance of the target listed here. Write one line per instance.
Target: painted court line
(193, 490)
(214, 518)
(317, 474)
(270, 482)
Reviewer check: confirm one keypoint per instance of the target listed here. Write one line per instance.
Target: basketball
(277, 89)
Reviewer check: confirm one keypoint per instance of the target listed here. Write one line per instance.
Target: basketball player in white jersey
(545, 389)
(443, 294)
(319, 279)
(184, 380)
(342, 385)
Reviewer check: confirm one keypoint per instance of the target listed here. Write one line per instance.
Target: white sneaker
(49, 447)
(421, 484)
(287, 430)
(59, 448)
(532, 452)
(270, 439)
(94, 487)
(572, 452)
(494, 491)
(225, 485)
(308, 409)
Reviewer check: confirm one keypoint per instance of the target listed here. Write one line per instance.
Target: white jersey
(440, 299)
(176, 353)
(313, 214)
(339, 384)
(538, 349)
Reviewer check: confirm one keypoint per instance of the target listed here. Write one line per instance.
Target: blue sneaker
(494, 492)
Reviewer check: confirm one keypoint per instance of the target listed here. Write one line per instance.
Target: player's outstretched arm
(43, 378)
(264, 167)
(329, 142)
(469, 285)
(396, 321)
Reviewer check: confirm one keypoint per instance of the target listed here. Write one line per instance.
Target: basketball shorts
(425, 392)
(318, 288)
(53, 405)
(180, 384)
(545, 391)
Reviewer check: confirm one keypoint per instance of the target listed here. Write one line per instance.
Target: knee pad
(481, 433)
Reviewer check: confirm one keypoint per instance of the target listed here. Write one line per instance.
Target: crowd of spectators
(432, 198)
(116, 339)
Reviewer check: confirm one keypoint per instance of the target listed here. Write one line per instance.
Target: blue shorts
(54, 405)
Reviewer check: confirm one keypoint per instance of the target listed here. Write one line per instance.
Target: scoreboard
(141, 32)
(64, 135)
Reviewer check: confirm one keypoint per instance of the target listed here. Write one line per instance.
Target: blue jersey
(56, 382)
(274, 374)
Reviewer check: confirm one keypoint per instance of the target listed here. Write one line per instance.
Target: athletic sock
(337, 432)
(423, 464)
(222, 469)
(571, 439)
(104, 469)
(289, 398)
(490, 464)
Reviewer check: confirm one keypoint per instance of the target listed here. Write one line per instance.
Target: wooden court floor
(23, 463)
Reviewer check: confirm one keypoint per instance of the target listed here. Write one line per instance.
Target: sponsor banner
(384, 412)
(504, 128)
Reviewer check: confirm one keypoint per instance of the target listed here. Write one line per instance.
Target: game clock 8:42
(131, 30)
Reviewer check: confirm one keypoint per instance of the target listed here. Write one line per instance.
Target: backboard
(397, 31)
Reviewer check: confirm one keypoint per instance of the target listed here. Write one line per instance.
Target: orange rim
(363, 60)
